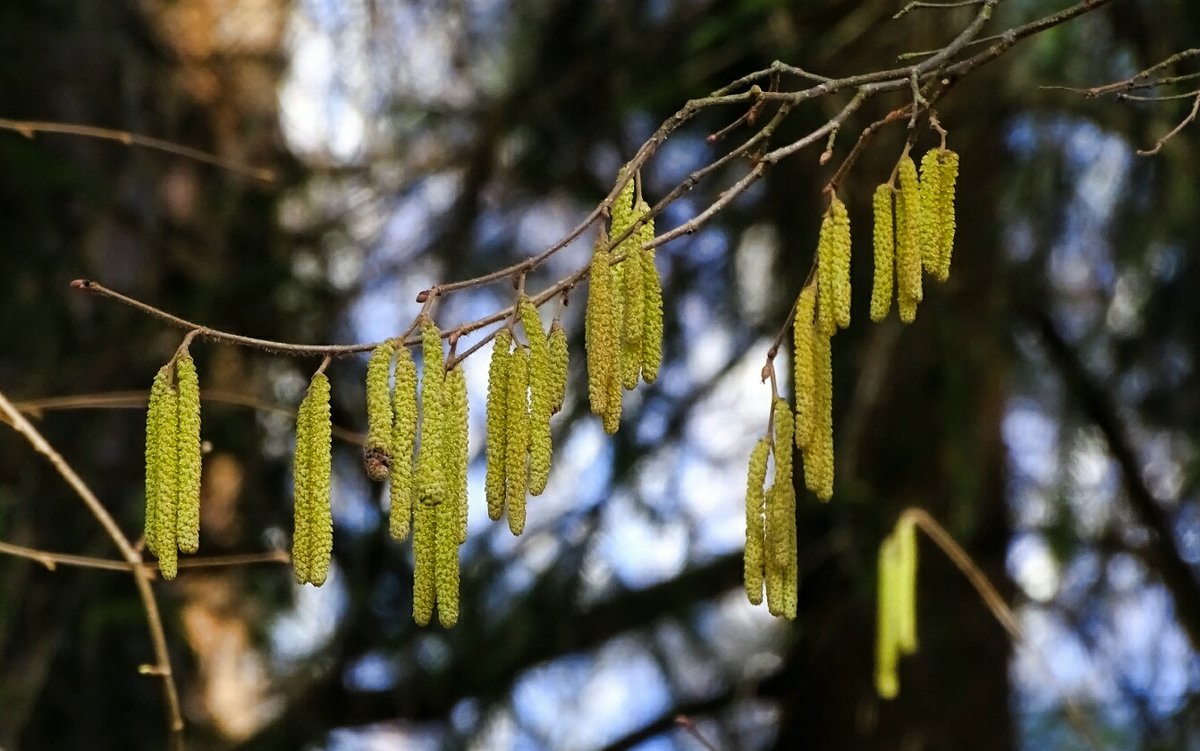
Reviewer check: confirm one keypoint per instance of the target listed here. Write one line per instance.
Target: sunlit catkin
(377, 457)
(633, 310)
(945, 213)
(517, 440)
(906, 586)
(541, 396)
(781, 518)
(752, 560)
(602, 331)
(818, 457)
(403, 443)
(652, 328)
(886, 653)
(559, 365)
(446, 571)
(827, 269)
(456, 447)
(885, 251)
(840, 243)
(161, 427)
(908, 241)
(425, 517)
(187, 514)
(497, 422)
(802, 361)
(313, 539)
(930, 223)
(430, 472)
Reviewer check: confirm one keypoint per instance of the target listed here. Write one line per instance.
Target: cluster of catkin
(896, 619)
(624, 321)
(914, 232)
(770, 557)
(172, 523)
(526, 386)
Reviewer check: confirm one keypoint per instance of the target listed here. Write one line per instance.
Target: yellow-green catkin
(517, 440)
(497, 422)
(906, 586)
(446, 571)
(818, 456)
(377, 457)
(840, 242)
(430, 472)
(885, 251)
(456, 449)
(753, 558)
(802, 362)
(930, 223)
(541, 397)
(781, 518)
(826, 277)
(161, 424)
(652, 328)
(948, 161)
(403, 443)
(602, 333)
(908, 241)
(425, 545)
(886, 653)
(313, 539)
(559, 365)
(633, 310)
(187, 514)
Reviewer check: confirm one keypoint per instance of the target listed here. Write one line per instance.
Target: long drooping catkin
(885, 252)
(425, 545)
(827, 269)
(517, 440)
(818, 456)
(908, 241)
(559, 365)
(633, 308)
(781, 517)
(377, 456)
(541, 397)
(161, 427)
(446, 571)
(887, 685)
(602, 332)
(497, 422)
(804, 382)
(753, 558)
(840, 246)
(403, 443)
(187, 513)
(431, 486)
(944, 210)
(313, 538)
(455, 446)
(652, 328)
(906, 586)
(930, 224)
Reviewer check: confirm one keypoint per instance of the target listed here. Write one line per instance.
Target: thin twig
(53, 560)
(141, 576)
(28, 128)
(1174, 131)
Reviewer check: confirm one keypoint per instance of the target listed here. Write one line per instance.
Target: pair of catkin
(172, 523)
(526, 386)
(813, 381)
(914, 230)
(896, 619)
(770, 557)
(439, 523)
(624, 318)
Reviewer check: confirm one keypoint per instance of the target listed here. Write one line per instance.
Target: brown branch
(141, 577)
(28, 128)
(1174, 131)
(53, 560)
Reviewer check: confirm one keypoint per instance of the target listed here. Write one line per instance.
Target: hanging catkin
(886, 653)
(517, 440)
(187, 519)
(906, 586)
(602, 335)
(781, 518)
(752, 560)
(541, 396)
(559, 364)
(885, 250)
(161, 427)
(908, 241)
(802, 359)
(430, 472)
(930, 223)
(948, 161)
(313, 539)
(425, 556)
(456, 448)
(446, 571)
(652, 328)
(377, 452)
(827, 270)
(403, 442)
(818, 455)
(840, 245)
(497, 422)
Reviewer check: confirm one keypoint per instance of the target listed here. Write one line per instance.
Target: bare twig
(29, 128)
(53, 560)
(1174, 131)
